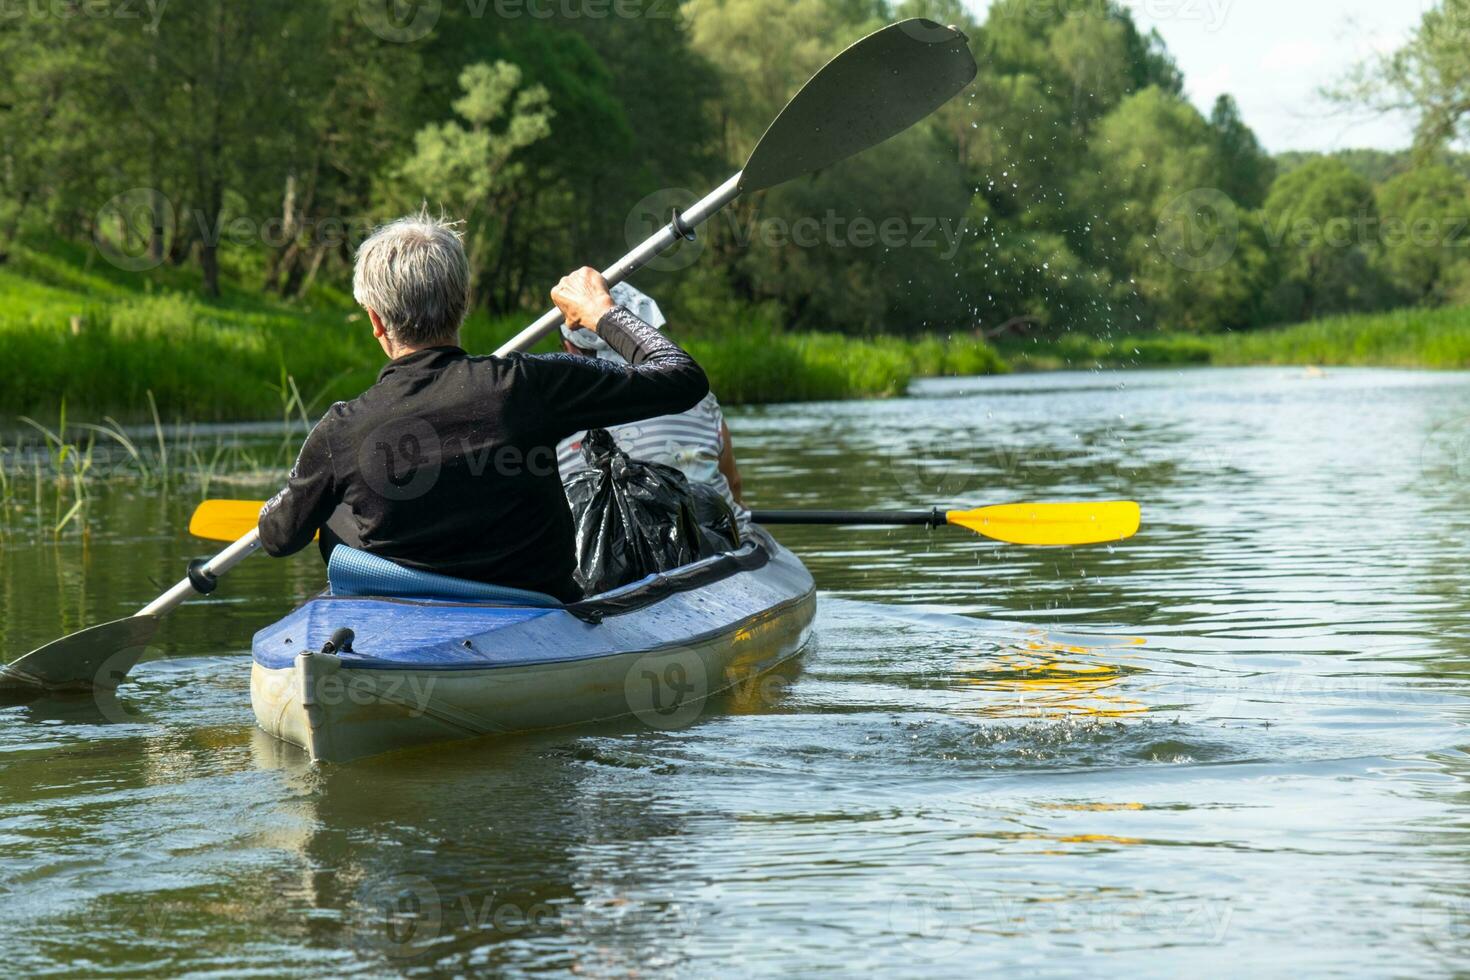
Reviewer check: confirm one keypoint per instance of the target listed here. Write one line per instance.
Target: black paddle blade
(874, 90)
(98, 657)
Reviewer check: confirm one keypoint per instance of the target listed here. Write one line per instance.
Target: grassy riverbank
(1435, 339)
(100, 340)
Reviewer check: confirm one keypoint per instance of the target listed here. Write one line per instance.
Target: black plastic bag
(635, 518)
(717, 522)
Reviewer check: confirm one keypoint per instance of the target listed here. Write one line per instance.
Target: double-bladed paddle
(1043, 525)
(1027, 524)
(874, 90)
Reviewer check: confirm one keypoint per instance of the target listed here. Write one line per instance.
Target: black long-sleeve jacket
(448, 463)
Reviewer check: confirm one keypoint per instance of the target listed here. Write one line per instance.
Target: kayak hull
(422, 672)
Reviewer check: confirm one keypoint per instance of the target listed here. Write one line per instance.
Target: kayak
(389, 658)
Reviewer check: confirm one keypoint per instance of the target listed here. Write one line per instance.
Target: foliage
(132, 344)
(1322, 220)
(1407, 338)
(1429, 76)
(469, 169)
(1425, 217)
(244, 149)
(1247, 169)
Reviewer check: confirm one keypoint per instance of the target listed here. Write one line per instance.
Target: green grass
(1413, 338)
(1080, 351)
(247, 356)
(1437, 339)
(763, 365)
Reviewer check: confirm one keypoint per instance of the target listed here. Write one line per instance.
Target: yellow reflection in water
(1040, 675)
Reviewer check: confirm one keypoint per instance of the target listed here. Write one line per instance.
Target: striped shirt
(691, 442)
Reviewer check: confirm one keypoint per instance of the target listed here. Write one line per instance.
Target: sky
(1275, 55)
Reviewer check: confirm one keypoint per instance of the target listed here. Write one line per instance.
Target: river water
(1236, 742)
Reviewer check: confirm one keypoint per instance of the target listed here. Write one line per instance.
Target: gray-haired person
(448, 463)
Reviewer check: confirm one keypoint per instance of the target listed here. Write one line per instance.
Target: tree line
(1072, 188)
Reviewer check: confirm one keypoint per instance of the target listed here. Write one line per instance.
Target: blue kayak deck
(720, 595)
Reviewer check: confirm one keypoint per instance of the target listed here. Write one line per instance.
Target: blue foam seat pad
(351, 572)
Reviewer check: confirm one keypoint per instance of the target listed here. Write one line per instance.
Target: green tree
(1028, 280)
(361, 114)
(874, 245)
(1247, 170)
(665, 89)
(1429, 76)
(33, 145)
(1020, 37)
(217, 96)
(1092, 53)
(471, 169)
(1425, 220)
(1319, 220)
(1182, 252)
(764, 50)
(586, 177)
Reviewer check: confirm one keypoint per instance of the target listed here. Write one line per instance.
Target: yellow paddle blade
(1052, 524)
(225, 520)
(1029, 524)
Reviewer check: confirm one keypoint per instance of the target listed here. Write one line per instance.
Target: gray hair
(413, 273)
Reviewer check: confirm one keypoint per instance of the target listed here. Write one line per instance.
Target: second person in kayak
(448, 463)
(696, 442)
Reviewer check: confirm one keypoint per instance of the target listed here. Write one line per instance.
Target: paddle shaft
(896, 518)
(215, 567)
(656, 244)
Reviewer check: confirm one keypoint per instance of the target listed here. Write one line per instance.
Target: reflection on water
(1237, 739)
